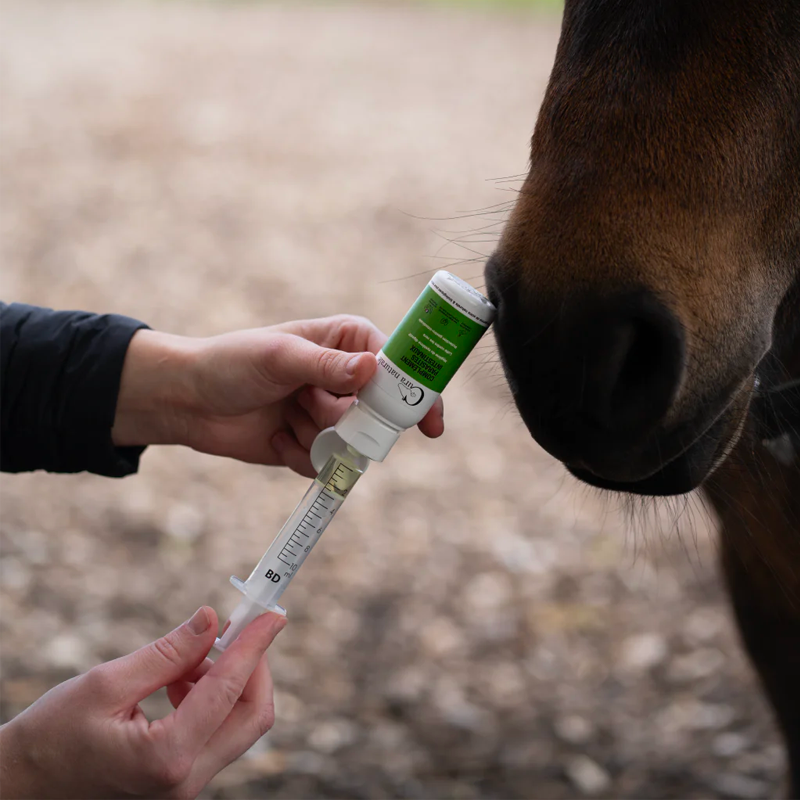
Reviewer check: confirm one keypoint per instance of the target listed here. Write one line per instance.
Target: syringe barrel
(295, 540)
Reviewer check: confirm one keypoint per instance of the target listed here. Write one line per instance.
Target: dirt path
(474, 624)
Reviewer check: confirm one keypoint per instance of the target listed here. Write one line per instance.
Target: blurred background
(475, 624)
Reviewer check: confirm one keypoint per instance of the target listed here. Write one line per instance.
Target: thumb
(167, 659)
(302, 362)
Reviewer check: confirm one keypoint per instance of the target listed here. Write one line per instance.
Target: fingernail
(279, 441)
(352, 365)
(199, 622)
(278, 622)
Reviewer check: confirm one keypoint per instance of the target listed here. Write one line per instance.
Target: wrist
(156, 390)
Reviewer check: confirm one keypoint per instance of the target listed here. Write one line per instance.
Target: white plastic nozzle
(367, 432)
(247, 610)
(360, 433)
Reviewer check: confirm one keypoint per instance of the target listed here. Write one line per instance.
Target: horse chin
(685, 472)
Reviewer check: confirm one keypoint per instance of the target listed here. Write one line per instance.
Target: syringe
(295, 540)
(416, 363)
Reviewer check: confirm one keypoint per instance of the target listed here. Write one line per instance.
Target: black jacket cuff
(60, 374)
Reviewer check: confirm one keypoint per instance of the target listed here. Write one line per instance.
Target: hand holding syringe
(416, 363)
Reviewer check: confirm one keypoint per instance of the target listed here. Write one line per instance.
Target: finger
(304, 428)
(432, 424)
(214, 696)
(178, 690)
(249, 720)
(359, 333)
(195, 674)
(164, 661)
(298, 361)
(323, 408)
(326, 410)
(342, 332)
(293, 455)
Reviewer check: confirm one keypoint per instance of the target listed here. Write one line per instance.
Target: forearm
(60, 375)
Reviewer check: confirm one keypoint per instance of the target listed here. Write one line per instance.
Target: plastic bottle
(416, 363)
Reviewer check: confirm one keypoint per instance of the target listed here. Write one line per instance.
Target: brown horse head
(652, 260)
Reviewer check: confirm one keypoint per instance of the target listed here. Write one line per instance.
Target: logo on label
(411, 394)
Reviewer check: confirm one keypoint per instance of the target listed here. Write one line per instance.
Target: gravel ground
(475, 624)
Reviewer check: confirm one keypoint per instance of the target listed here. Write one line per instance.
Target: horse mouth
(686, 470)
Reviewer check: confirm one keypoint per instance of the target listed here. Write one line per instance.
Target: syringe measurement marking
(287, 551)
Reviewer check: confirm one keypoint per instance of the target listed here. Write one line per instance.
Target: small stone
(692, 715)
(306, 762)
(573, 729)
(734, 785)
(288, 708)
(67, 651)
(14, 575)
(487, 592)
(543, 664)
(711, 715)
(270, 762)
(587, 776)
(138, 501)
(35, 547)
(770, 759)
(461, 790)
(524, 756)
(695, 666)
(704, 625)
(467, 716)
(406, 686)
(184, 523)
(332, 735)
(457, 710)
(505, 684)
(643, 652)
(388, 735)
(441, 637)
(729, 744)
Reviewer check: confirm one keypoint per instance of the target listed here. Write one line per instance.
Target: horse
(647, 283)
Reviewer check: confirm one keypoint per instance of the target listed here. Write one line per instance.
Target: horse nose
(623, 358)
(593, 374)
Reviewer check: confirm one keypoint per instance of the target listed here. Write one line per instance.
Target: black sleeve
(60, 373)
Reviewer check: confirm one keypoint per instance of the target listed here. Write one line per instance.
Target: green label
(432, 341)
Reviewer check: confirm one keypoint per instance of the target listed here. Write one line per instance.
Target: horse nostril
(631, 351)
(593, 375)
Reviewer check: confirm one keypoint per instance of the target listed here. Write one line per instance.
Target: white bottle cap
(467, 299)
(367, 432)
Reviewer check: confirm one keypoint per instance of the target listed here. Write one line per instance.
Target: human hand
(88, 737)
(259, 395)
